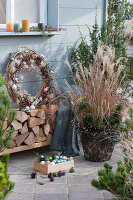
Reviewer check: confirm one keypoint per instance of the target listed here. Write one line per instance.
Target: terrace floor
(72, 186)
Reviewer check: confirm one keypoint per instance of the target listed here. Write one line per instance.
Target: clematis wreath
(28, 59)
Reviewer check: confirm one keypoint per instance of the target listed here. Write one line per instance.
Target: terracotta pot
(98, 147)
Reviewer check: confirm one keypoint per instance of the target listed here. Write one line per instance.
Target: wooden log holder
(33, 129)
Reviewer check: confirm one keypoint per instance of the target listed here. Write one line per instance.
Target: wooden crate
(46, 169)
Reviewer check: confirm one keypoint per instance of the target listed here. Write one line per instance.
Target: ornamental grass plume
(96, 101)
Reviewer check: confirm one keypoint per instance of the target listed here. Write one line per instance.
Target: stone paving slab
(17, 196)
(43, 179)
(51, 197)
(75, 186)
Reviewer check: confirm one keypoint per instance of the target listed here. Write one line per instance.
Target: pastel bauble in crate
(64, 158)
(43, 162)
(32, 107)
(50, 158)
(42, 158)
(57, 157)
(52, 163)
(14, 87)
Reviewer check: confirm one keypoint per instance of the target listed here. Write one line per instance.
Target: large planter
(99, 146)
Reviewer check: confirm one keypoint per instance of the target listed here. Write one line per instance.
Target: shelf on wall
(30, 33)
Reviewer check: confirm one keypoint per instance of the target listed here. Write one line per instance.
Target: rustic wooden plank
(26, 147)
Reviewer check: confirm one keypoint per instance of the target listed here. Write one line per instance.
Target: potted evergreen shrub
(97, 104)
(120, 181)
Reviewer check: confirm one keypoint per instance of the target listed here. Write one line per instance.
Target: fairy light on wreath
(28, 59)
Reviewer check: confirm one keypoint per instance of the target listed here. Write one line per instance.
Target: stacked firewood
(33, 126)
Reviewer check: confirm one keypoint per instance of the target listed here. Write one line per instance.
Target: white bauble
(52, 163)
(14, 87)
(42, 162)
(42, 56)
(32, 107)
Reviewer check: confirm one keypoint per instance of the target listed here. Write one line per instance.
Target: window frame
(10, 13)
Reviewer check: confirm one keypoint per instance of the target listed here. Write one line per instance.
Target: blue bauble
(27, 108)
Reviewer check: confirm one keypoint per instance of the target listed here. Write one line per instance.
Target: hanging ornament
(45, 90)
(32, 107)
(34, 98)
(11, 59)
(27, 108)
(40, 98)
(14, 87)
(16, 79)
(42, 56)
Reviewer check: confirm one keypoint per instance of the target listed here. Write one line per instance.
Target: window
(36, 11)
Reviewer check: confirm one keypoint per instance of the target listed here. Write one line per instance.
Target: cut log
(40, 135)
(33, 121)
(30, 139)
(21, 116)
(44, 107)
(53, 109)
(41, 114)
(21, 138)
(13, 144)
(40, 139)
(32, 113)
(46, 129)
(24, 128)
(16, 125)
(14, 134)
(36, 130)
